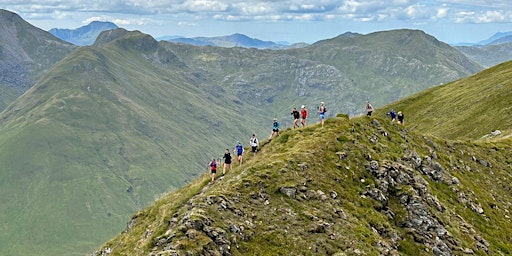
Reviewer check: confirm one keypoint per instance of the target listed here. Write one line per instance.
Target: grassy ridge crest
(313, 186)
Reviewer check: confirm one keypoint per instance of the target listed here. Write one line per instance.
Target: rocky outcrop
(405, 182)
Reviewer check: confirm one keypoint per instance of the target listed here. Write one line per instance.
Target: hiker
(304, 115)
(227, 161)
(213, 168)
(239, 149)
(400, 117)
(296, 116)
(369, 108)
(321, 111)
(392, 114)
(254, 143)
(275, 129)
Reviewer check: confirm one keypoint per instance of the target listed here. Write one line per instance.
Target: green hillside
(468, 109)
(113, 126)
(389, 65)
(361, 186)
(94, 142)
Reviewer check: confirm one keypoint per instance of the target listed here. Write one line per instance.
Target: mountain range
(358, 186)
(235, 40)
(489, 52)
(110, 126)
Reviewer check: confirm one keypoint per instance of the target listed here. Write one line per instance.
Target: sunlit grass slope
(307, 193)
(468, 108)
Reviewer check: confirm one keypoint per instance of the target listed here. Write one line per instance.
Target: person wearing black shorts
(227, 161)
(254, 143)
(400, 117)
(275, 129)
(296, 116)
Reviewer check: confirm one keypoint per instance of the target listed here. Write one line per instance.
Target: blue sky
(451, 21)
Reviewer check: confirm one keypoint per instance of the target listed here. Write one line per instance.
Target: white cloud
(484, 17)
(187, 24)
(460, 11)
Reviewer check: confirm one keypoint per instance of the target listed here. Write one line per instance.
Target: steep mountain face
(85, 35)
(361, 186)
(389, 65)
(116, 123)
(26, 53)
(488, 55)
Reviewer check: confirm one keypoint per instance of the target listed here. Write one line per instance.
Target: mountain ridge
(234, 40)
(361, 186)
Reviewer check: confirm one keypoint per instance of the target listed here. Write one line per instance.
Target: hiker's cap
(322, 103)
(238, 142)
(275, 119)
(302, 106)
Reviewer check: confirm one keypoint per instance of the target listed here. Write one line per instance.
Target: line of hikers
(239, 148)
(303, 116)
(399, 117)
(238, 151)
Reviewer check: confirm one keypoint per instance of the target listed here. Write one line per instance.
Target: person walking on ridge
(239, 149)
(392, 114)
(369, 108)
(227, 161)
(213, 168)
(304, 115)
(321, 111)
(254, 143)
(400, 118)
(275, 128)
(296, 116)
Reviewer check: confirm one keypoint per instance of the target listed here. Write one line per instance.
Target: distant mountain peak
(85, 35)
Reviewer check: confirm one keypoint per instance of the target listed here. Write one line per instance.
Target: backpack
(213, 164)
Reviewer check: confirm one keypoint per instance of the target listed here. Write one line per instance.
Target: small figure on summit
(369, 108)
(304, 115)
(321, 111)
(239, 149)
(296, 116)
(275, 128)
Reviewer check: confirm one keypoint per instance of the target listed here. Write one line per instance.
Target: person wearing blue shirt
(275, 128)
(392, 114)
(321, 111)
(239, 150)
